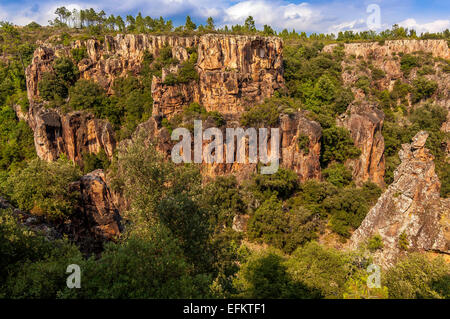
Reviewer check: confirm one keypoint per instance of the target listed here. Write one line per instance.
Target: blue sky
(309, 16)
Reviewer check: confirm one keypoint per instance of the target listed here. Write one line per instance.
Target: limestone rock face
(410, 210)
(365, 123)
(438, 48)
(234, 71)
(94, 221)
(96, 218)
(304, 161)
(72, 134)
(386, 57)
(237, 71)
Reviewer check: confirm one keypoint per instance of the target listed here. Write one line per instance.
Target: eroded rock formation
(365, 123)
(387, 57)
(96, 218)
(73, 134)
(234, 71)
(409, 214)
(305, 161)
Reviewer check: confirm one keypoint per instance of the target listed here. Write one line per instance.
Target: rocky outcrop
(387, 57)
(303, 159)
(94, 221)
(409, 214)
(72, 134)
(234, 71)
(96, 218)
(365, 123)
(438, 48)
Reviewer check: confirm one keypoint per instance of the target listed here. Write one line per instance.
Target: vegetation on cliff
(180, 240)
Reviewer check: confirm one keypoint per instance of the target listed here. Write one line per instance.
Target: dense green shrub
(88, 95)
(349, 207)
(224, 196)
(338, 175)
(337, 145)
(51, 87)
(408, 62)
(323, 270)
(264, 275)
(43, 188)
(282, 184)
(79, 54)
(149, 264)
(16, 140)
(375, 242)
(263, 115)
(423, 89)
(416, 276)
(93, 161)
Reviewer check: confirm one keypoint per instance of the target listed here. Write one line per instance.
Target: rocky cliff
(95, 218)
(234, 71)
(409, 215)
(73, 134)
(304, 160)
(365, 122)
(361, 57)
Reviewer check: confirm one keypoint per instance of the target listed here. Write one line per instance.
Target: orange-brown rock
(234, 71)
(72, 134)
(438, 48)
(96, 218)
(386, 57)
(365, 123)
(410, 208)
(305, 162)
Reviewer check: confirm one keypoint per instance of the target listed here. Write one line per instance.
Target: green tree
(189, 25)
(44, 188)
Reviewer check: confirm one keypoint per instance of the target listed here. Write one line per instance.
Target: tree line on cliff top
(99, 22)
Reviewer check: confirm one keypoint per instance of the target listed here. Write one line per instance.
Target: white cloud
(434, 26)
(277, 14)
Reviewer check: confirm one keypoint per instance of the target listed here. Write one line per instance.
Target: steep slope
(409, 215)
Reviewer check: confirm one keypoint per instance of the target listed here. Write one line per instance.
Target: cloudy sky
(309, 16)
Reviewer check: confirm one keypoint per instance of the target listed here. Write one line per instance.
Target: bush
(423, 88)
(416, 276)
(323, 270)
(375, 242)
(337, 146)
(264, 115)
(16, 140)
(65, 70)
(408, 62)
(88, 95)
(338, 175)
(51, 87)
(282, 184)
(224, 196)
(349, 207)
(43, 188)
(148, 264)
(93, 161)
(79, 54)
(265, 276)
